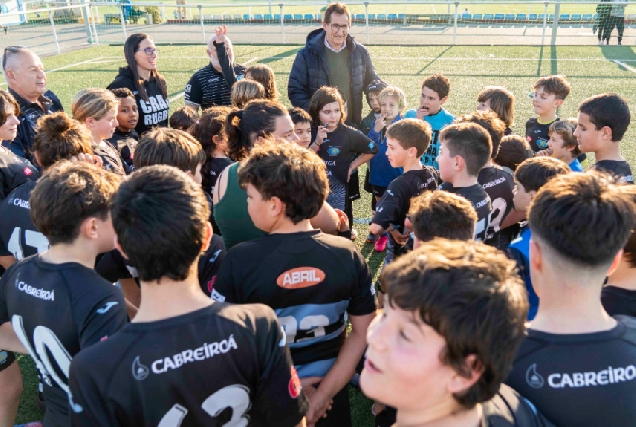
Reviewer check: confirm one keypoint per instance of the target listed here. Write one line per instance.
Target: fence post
(270, 6)
(545, 22)
(455, 23)
(282, 22)
(86, 23)
(163, 13)
(249, 9)
(57, 45)
(123, 21)
(201, 20)
(366, 17)
(555, 23)
(94, 26)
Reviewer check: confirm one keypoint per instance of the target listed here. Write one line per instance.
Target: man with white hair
(24, 72)
(212, 84)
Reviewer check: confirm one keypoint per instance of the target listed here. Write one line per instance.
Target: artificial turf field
(590, 70)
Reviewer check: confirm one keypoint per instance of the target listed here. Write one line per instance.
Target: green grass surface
(589, 69)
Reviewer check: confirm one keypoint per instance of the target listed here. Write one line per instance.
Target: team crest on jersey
(139, 371)
(294, 384)
(301, 277)
(211, 284)
(27, 171)
(533, 378)
(333, 151)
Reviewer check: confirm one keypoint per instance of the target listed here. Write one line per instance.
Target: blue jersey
(576, 166)
(438, 122)
(311, 280)
(519, 250)
(381, 171)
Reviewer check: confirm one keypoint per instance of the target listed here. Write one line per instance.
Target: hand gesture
(343, 223)
(379, 123)
(400, 238)
(420, 113)
(321, 135)
(546, 152)
(89, 158)
(220, 33)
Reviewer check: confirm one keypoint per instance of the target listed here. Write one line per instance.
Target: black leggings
(611, 23)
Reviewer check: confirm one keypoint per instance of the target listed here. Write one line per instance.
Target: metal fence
(49, 28)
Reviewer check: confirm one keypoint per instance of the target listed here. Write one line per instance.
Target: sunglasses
(11, 49)
(149, 51)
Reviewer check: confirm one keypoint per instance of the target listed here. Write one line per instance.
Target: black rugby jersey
(18, 235)
(396, 201)
(154, 111)
(580, 379)
(619, 300)
(338, 152)
(223, 365)
(499, 185)
(537, 134)
(125, 143)
(209, 87)
(311, 280)
(617, 168)
(14, 171)
(211, 170)
(113, 266)
(56, 311)
(480, 200)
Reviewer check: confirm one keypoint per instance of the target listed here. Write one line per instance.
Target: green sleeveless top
(231, 214)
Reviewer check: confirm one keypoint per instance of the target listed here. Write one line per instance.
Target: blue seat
(466, 16)
(400, 16)
(298, 17)
(588, 17)
(541, 16)
(551, 18)
(381, 17)
(595, 16)
(392, 17)
(276, 17)
(309, 17)
(564, 17)
(268, 17)
(499, 16)
(360, 17)
(521, 17)
(489, 17)
(371, 16)
(576, 17)
(478, 17)
(510, 17)
(288, 17)
(532, 17)
(247, 17)
(259, 17)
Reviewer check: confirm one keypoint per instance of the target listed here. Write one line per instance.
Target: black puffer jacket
(311, 71)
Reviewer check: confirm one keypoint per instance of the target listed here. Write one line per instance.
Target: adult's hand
(220, 33)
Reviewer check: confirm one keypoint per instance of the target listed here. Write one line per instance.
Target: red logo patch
(27, 171)
(301, 277)
(294, 384)
(211, 284)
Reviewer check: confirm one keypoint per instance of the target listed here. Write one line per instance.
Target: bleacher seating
(268, 17)
(392, 17)
(381, 17)
(258, 17)
(521, 17)
(238, 17)
(564, 17)
(360, 17)
(576, 17)
(588, 17)
(371, 16)
(532, 17)
(288, 17)
(466, 16)
(489, 17)
(510, 17)
(216, 17)
(478, 17)
(309, 17)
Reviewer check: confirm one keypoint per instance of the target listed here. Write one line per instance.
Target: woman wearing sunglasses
(145, 82)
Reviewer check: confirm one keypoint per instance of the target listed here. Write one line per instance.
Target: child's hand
(420, 113)
(220, 33)
(546, 152)
(321, 135)
(379, 123)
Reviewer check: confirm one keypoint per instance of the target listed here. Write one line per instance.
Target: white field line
(88, 61)
(177, 96)
(632, 69)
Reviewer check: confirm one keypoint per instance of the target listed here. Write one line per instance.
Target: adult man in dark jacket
(24, 73)
(332, 57)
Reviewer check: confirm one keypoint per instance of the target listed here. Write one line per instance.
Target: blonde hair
(502, 102)
(565, 129)
(264, 75)
(93, 102)
(395, 92)
(245, 90)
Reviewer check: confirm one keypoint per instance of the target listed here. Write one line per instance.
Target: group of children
(268, 323)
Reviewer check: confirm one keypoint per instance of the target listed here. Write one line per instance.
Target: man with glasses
(332, 57)
(212, 84)
(24, 72)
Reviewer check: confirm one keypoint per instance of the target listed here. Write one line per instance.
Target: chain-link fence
(50, 28)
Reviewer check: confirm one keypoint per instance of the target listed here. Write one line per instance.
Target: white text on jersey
(187, 356)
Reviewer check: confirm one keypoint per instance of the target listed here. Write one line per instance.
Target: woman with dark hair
(145, 82)
(261, 119)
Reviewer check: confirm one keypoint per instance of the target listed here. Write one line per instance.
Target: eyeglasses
(336, 28)
(11, 49)
(149, 51)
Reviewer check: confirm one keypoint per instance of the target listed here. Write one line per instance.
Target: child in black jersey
(513, 150)
(549, 94)
(302, 126)
(312, 280)
(576, 364)
(161, 216)
(464, 150)
(97, 109)
(500, 101)
(406, 141)
(125, 136)
(337, 144)
(183, 118)
(440, 351)
(58, 305)
(619, 292)
(602, 123)
(497, 182)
